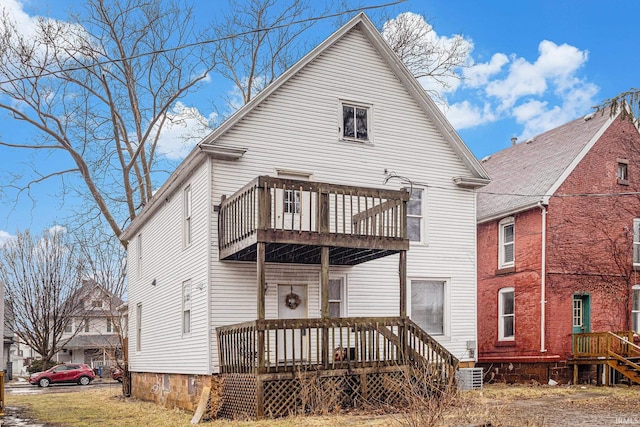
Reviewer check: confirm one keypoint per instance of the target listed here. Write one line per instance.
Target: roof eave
(470, 182)
(509, 212)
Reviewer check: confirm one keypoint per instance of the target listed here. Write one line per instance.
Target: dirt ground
(504, 405)
(495, 405)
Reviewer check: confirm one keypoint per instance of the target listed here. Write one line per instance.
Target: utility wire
(496, 193)
(200, 43)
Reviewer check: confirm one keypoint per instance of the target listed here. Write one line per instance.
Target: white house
(324, 159)
(91, 337)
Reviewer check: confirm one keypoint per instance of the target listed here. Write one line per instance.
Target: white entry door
(292, 304)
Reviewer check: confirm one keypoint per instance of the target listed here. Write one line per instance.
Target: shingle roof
(522, 174)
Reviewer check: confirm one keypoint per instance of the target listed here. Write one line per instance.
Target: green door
(581, 314)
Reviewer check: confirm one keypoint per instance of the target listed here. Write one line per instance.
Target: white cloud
(5, 237)
(556, 65)
(478, 74)
(183, 128)
(464, 115)
(537, 95)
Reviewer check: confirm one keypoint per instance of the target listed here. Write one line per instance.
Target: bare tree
(264, 46)
(426, 55)
(100, 90)
(106, 268)
(41, 276)
(630, 98)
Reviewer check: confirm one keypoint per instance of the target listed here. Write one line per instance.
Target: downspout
(543, 277)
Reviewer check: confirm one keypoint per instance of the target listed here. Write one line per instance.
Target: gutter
(543, 277)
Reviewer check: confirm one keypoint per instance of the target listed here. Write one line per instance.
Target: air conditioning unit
(469, 379)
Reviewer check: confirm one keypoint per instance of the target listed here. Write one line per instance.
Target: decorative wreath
(292, 300)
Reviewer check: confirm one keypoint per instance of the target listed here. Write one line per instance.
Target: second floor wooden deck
(295, 219)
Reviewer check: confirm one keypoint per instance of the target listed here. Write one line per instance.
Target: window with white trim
(636, 242)
(292, 201)
(337, 297)
(506, 314)
(623, 171)
(428, 305)
(506, 244)
(187, 216)
(109, 325)
(415, 216)
(186, 307)
(139, 327)
(577, 313)
(86, 325)
(635, 309)
(139, 255)
(356, 122)
(68, 327)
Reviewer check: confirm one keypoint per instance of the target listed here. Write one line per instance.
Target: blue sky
(533, 65)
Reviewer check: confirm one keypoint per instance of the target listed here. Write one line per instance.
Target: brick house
(557, 250)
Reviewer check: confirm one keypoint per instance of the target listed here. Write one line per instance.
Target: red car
(117, 375)
(65, 373)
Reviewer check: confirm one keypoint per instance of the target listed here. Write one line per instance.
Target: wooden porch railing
(291, 345)
(270, 209)
(599, 344)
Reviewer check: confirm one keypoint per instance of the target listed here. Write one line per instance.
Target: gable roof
(528, 173)
(364, 24)
(209, 145)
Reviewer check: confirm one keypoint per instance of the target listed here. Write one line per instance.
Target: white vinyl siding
(506, 314)
(506, 243)
(165, 348)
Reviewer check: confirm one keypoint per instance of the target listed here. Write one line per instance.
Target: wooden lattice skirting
(278, 395)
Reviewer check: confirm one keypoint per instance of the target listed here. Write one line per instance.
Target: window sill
(623, 181)
(367, 143)
(506, 270)
(511, 343)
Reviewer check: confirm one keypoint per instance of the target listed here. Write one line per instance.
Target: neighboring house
(286, 243)
(93, 331)
(558, 249)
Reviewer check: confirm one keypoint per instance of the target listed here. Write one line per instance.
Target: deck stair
(614, 349)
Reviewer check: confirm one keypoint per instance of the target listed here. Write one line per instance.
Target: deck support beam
(402, 272)
(324, 292)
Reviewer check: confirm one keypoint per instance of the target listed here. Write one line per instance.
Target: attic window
(623, 171)
(356, 122)
(96, 303)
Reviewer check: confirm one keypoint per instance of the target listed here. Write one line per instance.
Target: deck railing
(286, 206)
(292, 345)
(598, 344)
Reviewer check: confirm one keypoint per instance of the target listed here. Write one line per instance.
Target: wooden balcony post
(402, 270)
(324, 291)
(260, 267)
(324, 211)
